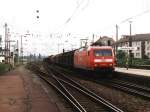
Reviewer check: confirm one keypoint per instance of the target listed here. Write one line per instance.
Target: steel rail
(90, 93)
(69, 94)
(124, 88)
(75, 104)
(132, 85)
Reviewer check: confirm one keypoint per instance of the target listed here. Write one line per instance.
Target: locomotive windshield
(103, 52)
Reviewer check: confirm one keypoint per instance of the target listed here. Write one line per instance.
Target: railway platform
(21, 92)
(140, 72)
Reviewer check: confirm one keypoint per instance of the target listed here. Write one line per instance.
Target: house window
(139, 43)
(148, 42)
(138, 48)
(148, 54)
(148, 48)
(134, 43)
(137, 54)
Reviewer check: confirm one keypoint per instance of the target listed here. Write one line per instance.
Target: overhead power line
(81, 5)
(135, 16)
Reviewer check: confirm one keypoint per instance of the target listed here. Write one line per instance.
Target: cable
(78, 9)
(128, 19)
(140, 14)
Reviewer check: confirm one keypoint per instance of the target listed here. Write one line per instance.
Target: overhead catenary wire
(135, 16)
(127, 20)
(81, 5)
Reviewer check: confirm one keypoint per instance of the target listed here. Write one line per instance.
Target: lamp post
(21, 51)
(116, 37)
(17, 52)
(130, 44)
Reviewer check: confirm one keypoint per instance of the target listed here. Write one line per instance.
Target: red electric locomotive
(95, 58)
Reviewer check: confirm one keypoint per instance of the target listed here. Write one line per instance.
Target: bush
(138, 62)
(121, 58)
(4, 67)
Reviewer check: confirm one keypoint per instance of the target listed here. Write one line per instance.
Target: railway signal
(37, 11)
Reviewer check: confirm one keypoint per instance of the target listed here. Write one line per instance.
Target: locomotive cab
(103, 59)
(95, 58)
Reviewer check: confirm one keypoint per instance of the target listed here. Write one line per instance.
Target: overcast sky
(65, 22)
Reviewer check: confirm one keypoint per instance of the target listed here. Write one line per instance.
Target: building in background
(104, 41)
(2, 51)
(140, 41)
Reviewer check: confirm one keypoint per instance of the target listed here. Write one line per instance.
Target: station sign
(127, 48)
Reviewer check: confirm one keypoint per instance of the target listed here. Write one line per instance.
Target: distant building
(141, 41)
(104, 41)
(2, 51)
(2, 59)
(2, 55)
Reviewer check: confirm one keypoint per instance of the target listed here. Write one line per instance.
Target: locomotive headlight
(95, 65)
(110, 64)
(103, 60)
(97, 60)
(108, 60)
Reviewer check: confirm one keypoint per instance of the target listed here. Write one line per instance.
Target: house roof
(136, 37)
(102, 39)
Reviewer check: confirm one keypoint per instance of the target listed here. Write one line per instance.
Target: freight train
(93, 58)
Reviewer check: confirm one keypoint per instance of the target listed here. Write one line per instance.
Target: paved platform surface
(20, 92)
(133, 71)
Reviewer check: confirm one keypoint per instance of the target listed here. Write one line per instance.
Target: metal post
(93, 38)
(116, 32)
(116, 37)
(58, 48)
(6, 40)
(21, 51)
(17, 53)
(130, 44)
(13, 58)
(63, 48)
(9, 55)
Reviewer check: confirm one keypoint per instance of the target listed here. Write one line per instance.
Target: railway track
(81, 99)
(125, 86)
(136, 79)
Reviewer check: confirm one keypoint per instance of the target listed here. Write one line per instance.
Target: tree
(121, 57)
(145, 56)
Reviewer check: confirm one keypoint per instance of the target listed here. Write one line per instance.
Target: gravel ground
(53, 95)
(126, 102)
(61, 103)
